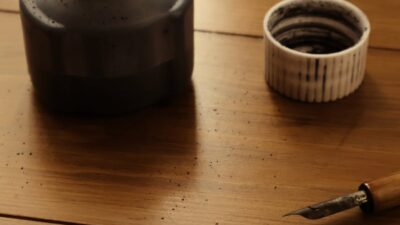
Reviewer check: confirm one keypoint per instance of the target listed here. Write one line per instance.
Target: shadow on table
(388, 218)
(344, 112)
(125, 163)
(331, 122)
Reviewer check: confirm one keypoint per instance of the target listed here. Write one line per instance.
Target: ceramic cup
(316, 50)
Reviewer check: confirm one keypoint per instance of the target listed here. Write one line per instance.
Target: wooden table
(230, 152)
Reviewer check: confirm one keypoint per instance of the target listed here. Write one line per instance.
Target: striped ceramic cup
(316, 50)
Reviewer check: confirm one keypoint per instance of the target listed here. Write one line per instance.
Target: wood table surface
(230, 152)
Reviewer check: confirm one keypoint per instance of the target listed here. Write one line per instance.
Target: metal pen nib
(331, 207)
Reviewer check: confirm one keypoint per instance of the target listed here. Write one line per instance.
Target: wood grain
(245, 18)
(19, 222)
(239, 17)
(230, 152)
(9, 6)
(12, 53)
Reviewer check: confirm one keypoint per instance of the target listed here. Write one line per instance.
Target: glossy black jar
(107, 56)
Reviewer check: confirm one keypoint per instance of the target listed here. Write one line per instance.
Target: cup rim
(357, 11)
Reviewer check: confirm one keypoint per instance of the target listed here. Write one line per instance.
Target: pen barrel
(382, 194)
